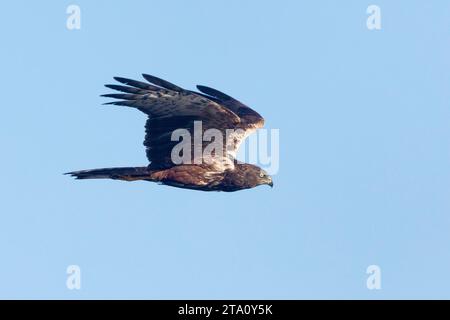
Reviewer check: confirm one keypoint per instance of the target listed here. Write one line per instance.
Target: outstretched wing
(250, 120)
(169, 108)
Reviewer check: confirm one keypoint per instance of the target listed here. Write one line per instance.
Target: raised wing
(250, 120)
(169, 108)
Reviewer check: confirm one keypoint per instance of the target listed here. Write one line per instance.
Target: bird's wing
(250, 120)
(169, 108)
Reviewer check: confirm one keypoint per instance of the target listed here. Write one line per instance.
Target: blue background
(364, 151)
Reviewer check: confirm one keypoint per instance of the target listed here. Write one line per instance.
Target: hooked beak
(270, 183)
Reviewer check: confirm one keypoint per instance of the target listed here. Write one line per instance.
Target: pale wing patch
(218, 164)
(235, 139)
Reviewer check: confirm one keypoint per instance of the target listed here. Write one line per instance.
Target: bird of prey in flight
(196, 117)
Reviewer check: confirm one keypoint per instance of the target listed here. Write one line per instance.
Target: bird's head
(265, 178)
(256, 176)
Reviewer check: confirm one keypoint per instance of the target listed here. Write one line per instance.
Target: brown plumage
(171, 108)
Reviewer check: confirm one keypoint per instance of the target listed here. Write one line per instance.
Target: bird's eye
(261, 174)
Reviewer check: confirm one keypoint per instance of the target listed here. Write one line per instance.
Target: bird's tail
(126, 173)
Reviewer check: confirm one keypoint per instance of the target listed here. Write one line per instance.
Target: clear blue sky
(364, 157)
